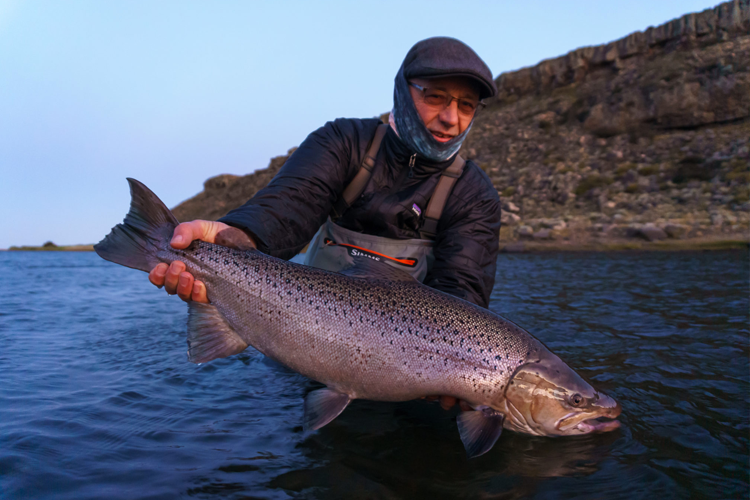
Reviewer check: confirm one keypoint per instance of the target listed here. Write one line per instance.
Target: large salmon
(370, 333)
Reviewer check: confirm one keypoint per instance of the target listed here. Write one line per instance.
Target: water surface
(97, 399)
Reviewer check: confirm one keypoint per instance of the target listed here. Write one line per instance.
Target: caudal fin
(147, 227)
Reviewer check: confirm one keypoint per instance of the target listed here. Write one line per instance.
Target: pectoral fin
(209, 334)
(479, 430)
(322, 406)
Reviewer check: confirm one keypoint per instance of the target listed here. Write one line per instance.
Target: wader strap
(358, 184)
(439, 197)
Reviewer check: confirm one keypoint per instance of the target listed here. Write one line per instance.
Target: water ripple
(98, 400)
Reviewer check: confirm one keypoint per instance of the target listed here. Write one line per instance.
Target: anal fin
(479, 430)
(209, 334)
(322, 406)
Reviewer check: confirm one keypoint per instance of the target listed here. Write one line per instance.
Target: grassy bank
(53, 248)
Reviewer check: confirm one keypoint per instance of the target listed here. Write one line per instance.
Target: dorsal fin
(366, 268)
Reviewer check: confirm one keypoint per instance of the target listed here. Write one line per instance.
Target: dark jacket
(284, 216)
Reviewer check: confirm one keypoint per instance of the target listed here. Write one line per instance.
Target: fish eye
(576, 400)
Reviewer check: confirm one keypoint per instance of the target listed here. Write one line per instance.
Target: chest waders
(335, 248)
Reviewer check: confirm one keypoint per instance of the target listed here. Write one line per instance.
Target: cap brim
(485, 90)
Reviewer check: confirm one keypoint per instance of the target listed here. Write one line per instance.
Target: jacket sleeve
(283, 217)
(467, 246)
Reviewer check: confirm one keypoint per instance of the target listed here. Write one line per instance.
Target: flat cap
(443, 56)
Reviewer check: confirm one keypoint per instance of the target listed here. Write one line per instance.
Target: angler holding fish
(406, 245)
(398, 193)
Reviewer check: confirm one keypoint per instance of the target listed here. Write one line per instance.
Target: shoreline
(625, 245)
(535, 246)
(63, 248)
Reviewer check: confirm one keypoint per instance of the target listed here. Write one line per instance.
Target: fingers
(233, 237)
(185, 286)
(199, 292)
(204, 230)
(447, 402)
(185, 233)
(188, 288)
(177, 281)
(157, 274)
(172, 277)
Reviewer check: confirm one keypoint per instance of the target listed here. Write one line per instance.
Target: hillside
(644, 139)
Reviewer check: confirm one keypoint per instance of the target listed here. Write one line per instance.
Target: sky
(174, 92)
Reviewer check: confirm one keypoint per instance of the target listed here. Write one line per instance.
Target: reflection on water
(98, 400)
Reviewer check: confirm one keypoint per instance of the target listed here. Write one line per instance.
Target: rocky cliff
(645, 138)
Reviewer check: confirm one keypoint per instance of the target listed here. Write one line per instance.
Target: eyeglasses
(439, 99)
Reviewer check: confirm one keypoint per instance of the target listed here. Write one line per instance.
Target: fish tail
(147, 227)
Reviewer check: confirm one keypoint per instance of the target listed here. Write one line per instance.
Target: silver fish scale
(371, 339)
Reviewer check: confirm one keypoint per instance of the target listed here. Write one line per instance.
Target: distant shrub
(591, 182)
(695, 168)
(739, 170)
(742, 195)
(509, 191)
(49, 244)
(631, 188)
(624, 168)
(739, 176)
(648, 170)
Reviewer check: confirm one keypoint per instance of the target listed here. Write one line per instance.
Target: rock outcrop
(226, 192)
(652, 129)
(644, 138)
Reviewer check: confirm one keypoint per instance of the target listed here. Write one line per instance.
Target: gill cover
(546, 397)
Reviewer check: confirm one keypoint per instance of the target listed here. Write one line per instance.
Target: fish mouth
(584, 423)
(579, 424)
(600, 424)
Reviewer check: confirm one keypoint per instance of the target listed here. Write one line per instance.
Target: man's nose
(449, 116)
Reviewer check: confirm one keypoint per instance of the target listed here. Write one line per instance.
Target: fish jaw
(590, 426)
(546, 397)
(600, 417)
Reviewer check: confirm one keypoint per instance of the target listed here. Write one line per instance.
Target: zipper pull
(412, 160)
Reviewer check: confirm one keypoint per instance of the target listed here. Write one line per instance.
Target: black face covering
(433, 58)
(412, 130)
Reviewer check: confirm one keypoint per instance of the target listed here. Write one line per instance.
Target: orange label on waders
(356, 251)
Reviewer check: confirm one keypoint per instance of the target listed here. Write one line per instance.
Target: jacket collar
(401, 154)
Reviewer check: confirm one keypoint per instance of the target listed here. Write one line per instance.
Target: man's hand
(173, 276)
(448, 402)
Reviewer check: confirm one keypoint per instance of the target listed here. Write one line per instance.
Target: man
(438, 91)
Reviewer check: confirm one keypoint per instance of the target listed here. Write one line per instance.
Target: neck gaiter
(412, 130)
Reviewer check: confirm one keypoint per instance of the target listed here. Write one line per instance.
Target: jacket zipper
(412, 160)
